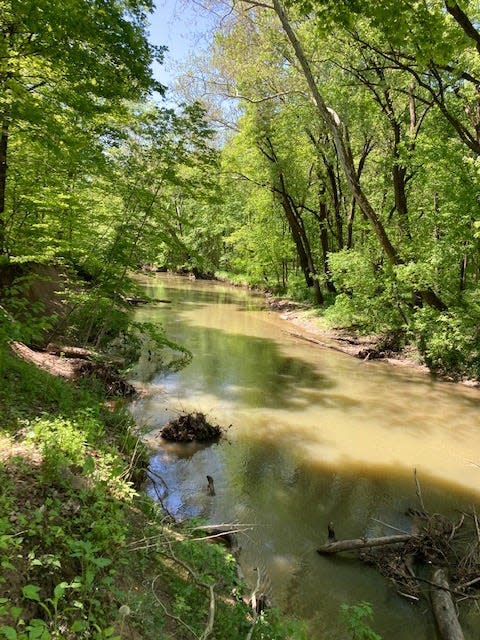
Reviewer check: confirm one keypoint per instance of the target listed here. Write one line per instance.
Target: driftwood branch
(68, 351)
(325, 345)
(444, 608)
(418, 490)
(363, 543)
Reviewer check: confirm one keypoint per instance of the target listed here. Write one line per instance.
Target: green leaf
(88, 466)
(31, 592)
(60, 590)
(102, 562)
(39, 633)
(37, 630)
(16, 612)
(78, 625)
(9, 633)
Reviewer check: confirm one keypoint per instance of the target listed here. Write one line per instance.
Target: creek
(316, 436)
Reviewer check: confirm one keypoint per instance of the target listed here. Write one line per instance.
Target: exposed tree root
(74, 363)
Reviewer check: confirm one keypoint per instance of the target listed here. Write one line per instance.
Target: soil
(363, 347)
(42, 289)
(75, 369)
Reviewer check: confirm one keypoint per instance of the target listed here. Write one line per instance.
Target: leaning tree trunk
(303, 247)
(345, 156)
(324, 244)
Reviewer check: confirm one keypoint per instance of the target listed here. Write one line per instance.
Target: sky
(183, 27)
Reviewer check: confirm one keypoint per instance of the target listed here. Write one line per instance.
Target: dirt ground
(56, 365)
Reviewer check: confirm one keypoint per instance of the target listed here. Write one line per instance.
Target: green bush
(448, 341)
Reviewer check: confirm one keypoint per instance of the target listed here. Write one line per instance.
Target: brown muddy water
(315, 436)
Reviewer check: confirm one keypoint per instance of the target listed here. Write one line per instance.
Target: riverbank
(313, 327)
(85, 554)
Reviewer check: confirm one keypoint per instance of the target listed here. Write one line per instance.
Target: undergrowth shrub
(369, 297)
(449, 341)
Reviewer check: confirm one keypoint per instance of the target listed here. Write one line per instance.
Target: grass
(83, 552)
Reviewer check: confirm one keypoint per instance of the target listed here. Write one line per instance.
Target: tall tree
(340, 137)
(80, 55)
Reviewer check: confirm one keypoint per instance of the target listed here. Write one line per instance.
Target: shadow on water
(288, 506)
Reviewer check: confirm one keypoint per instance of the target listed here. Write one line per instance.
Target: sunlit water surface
(315, 436)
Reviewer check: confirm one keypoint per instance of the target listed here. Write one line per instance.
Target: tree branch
(463, 20)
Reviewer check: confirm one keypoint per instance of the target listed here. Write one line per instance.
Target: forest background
(331, 155)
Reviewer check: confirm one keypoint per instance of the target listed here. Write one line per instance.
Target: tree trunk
(336, 203)
(350, 220)
(303, 247)
(463, 272)
(399, 173)
(3, 182)
(345, 156)
(296, 225)
(324, 244)
(334, 125)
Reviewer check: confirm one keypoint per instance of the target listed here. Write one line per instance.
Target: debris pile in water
(191, 426)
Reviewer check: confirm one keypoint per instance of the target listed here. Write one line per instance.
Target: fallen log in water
(363, 543)
(433, 541)
(444, 608)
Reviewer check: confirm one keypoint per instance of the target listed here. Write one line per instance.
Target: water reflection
(223, 365)
(199, 294)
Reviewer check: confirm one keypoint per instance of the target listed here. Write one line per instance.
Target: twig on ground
(211, 615)
(456, 527)
(133, 459)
